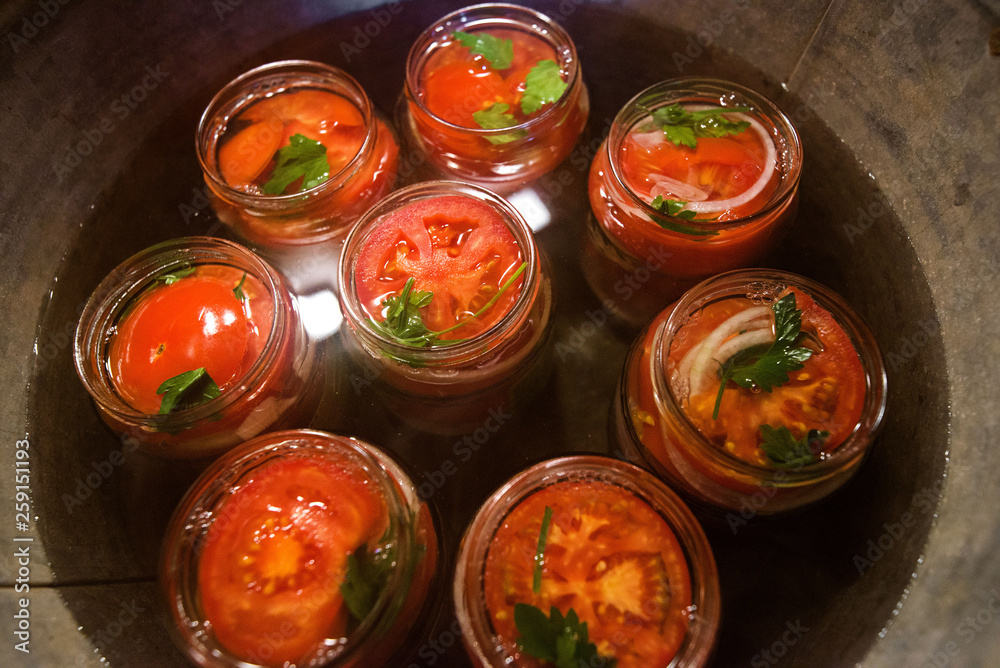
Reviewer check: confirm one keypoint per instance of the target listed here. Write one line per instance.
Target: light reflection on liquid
(320, 313)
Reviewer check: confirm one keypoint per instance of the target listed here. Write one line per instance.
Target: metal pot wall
(897, 105)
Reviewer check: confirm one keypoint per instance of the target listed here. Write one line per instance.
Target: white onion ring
(695, 363)
(664, 185)
(754, 190)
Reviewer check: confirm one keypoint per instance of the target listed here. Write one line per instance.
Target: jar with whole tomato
(293, 153)
(195, 345)
(300, 548)
(696, 177)
(493, 95)
(446, 301)
(758, 392)
(586, 540)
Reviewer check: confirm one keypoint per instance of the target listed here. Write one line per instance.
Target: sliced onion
(649, 140)
(754, 190)
(664, 185)
(697, 362)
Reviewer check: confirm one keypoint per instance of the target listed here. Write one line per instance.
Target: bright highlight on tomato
(195, 321)
(609, 556)
(456, 247)
(274, 559)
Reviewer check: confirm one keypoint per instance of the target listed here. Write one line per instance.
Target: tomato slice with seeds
(273, 561)
(609, 556)
(196, 321)
(826, 394)
(457, 247)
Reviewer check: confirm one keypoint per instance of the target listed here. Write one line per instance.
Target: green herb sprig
(405, 325)
(765, 369)
(543, 85)
(558, 639)
(785, 451)
(302, 158)
(675, 208)
(500, 52)
(187, 390)
(174, 276)
(495, 117)
(238, 290)
(367, 574)
(684, 128)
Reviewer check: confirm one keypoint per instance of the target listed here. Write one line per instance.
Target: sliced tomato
(330, 119)
(243, 157)
(273, 561)
(195, 322)
(826, 394)
(608, 556)
(457, 247)
(456, 90)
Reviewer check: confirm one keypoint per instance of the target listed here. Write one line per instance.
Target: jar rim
(277, 77)
(702, 89)
(484, 340)
(126, 283)
(485, 14)
(732, 284)
(205, 500)
(470, 563)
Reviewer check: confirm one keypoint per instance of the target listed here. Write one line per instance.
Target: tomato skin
(194, 322)
(609, 556)
(827, 394)
(457, 247)
(277, 560)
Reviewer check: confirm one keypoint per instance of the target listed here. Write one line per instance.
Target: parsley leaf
(561, 640)
(675, 208)
(174, 276)
(302, 157)
(495, 117)
(684, 128)
(238, 290)
(752, 368)
(500, 52)
(187, 390)
(404, 324)
(542, 85)
(784, 451)
(366, 576)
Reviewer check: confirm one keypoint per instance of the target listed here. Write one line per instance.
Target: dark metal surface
(141, 184)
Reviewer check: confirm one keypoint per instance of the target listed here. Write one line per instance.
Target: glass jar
(279, 387)
(727, 203)
(615, 532)
(446, 381)
(255, 563)
(434, 114)
(251, 118)
(764, 445)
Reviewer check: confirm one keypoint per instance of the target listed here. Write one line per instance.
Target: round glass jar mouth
(206, 503)
(716, 92)
(259, 84)
(467, 589)
(494, 15)
(764, 285)
(475, 345)
(123, 286)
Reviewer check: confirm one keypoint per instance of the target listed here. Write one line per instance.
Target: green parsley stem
(543, 534)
